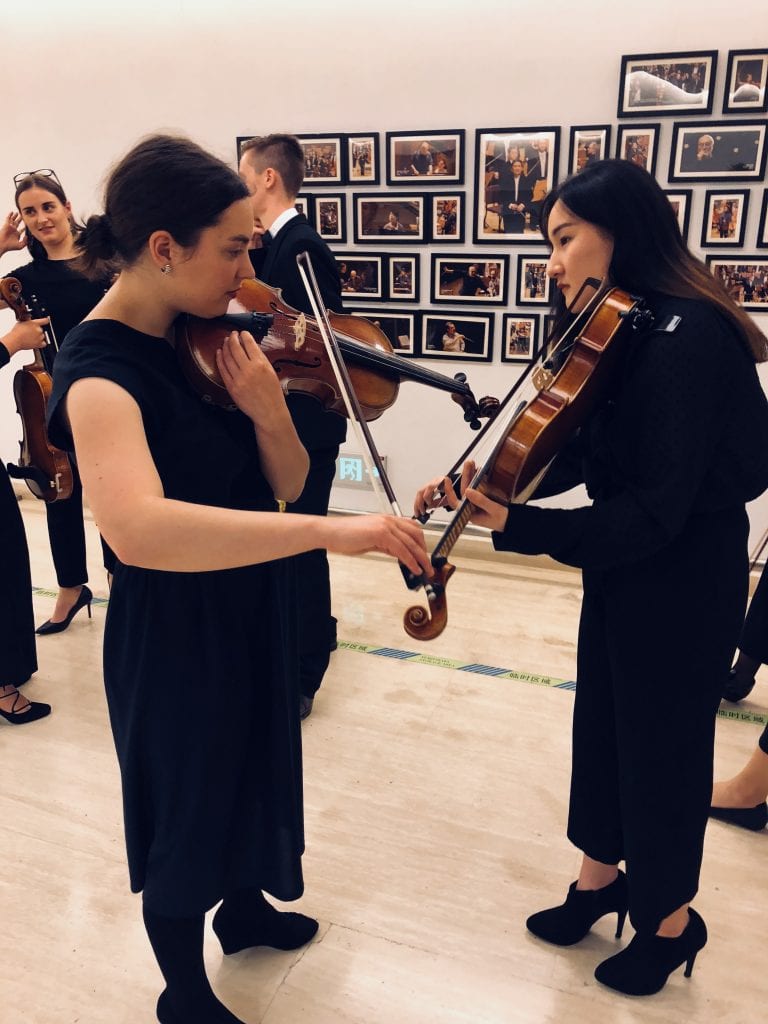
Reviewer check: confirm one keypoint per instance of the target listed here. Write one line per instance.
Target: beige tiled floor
(435, 803)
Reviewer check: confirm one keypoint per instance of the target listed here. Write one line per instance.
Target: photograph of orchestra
(587, 145)
(404, 278)
(725, 215)
(383, 218)
(448, 217)
(519, 335)
(399, 328)
(638, 145)
(322, 159)
(745, 279)
(469, 280)
(360, 274)
(515, 170)
(330, 218)
(425, 155)
(745, 79)
(671, 84)
(533, 285)
(363, 159)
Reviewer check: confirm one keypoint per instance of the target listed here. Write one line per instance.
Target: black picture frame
(718, 151)
(532, 285)
(362, 160)
(667, 84)
(725, 210)
(369, 279)
(476, 329)
(762, 227)
(681, 200)
(582, 140)
(451, 278)
(519, 345)
(324, 162)
(639, 143)
(446, 217)
(494, 219)
(746, 82)
(735, 273)
(304, 204)
(373, 213)
(404, 277)
(329, 216)
(427, 158)
(401, 327)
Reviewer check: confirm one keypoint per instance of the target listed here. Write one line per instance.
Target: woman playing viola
(200, 654)
(669, 461)
(43, 222)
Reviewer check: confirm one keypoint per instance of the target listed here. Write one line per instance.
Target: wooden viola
(294, 346)
(45, 469)
(585, 360)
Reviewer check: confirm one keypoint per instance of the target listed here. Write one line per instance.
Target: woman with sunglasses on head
(669, 459)
(200, 654)
(18, 657)
(43, 223)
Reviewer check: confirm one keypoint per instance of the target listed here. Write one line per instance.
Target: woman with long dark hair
(200, 653)
(43, 223)
(669, 459)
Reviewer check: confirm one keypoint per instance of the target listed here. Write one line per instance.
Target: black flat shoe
(84, 599)
(753, 818)
(31, 712)
(571, 921)
(642, 969)
(737, 687)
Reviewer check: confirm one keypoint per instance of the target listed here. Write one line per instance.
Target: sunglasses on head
(42, 172)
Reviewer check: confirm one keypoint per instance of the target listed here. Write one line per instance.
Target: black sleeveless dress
(200, 667)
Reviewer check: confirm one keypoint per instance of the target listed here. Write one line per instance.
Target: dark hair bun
(96, 238)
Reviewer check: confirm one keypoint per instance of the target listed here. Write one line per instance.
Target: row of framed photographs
(667, 84)
(483, 280)
(439, 217)
(478, 279)
(460, 335)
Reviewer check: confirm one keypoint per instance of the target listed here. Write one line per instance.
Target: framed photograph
(680, 201)
(389, 218)
(481, 279)
(588, 143)
(304, 205)
(762, 228)
(667, 83)
(533, 288)
(724, 151)
(400, 328)
(362, 159)
(745, 279)
(457, 336)
(745, 82)
(638, 143)
(322, 159)
(725, 218)
(433, 157)
(403, 279)
(331, 217)
(519, 338)
(362, 274)
(516, 167)
(446, 216)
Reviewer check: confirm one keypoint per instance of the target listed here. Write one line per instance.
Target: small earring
(166, 269)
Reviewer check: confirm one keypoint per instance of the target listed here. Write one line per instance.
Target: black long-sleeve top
(684, 433)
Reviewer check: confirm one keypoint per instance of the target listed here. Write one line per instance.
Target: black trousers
(316, 624)
(655, 643)
(66, 534)
(754, 635)
(18, 657)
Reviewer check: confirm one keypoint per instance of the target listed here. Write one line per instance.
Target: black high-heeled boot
(246, 919)
(84, 599)
(642, 969)
(571, 921)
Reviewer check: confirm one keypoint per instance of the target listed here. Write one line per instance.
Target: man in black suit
(272, 166)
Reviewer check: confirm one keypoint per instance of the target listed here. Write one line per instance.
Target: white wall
(82, 81)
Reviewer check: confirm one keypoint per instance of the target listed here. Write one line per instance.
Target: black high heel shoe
(571, 921)
(753, 818)
(737, 687)
(31, 712)
(642, 969)
(84, 599)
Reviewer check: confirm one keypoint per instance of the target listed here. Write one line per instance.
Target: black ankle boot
(571, 921)
(253, 921)
(737, 686)
(643, 967)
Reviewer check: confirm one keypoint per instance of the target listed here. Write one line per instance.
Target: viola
(45, 469)
(294, 346)
(568, 389)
